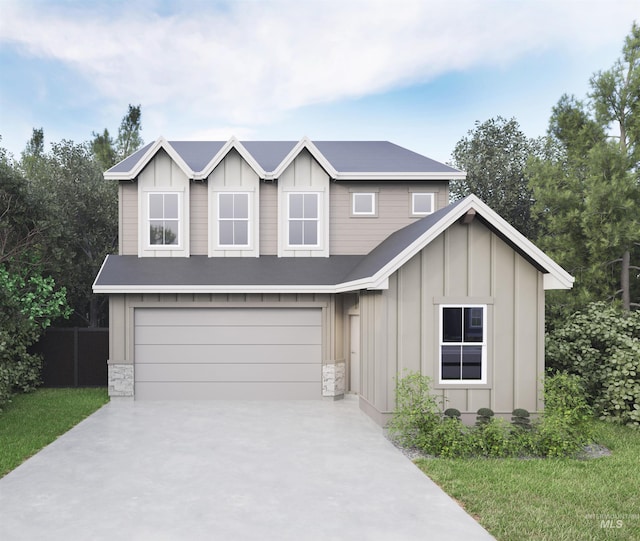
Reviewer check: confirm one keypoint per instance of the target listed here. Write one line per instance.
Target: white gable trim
(160, 143)
(304, 143)
(232, 143)
(557, 277)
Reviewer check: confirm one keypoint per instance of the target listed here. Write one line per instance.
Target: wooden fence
(74, 356)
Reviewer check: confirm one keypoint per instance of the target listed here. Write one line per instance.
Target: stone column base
(333, 380)
(120, 380)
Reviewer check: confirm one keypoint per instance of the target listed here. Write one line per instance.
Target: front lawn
(551, 499)
(32, 421)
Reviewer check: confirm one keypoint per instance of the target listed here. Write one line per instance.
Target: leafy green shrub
(492, 438)
(417, 411)
(564, 428)
(449, 439)
(602, 345)
(484, 416)
(562, 431)
(28, 303)
(521, 418)
(452, 413)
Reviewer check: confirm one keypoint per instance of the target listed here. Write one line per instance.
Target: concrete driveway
(227, 471)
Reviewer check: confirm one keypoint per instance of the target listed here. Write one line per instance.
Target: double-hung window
(421, 204)
(164, 219)
(233, 219)
(304, 219)
(463, 343)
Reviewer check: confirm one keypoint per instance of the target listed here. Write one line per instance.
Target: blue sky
(419, 73)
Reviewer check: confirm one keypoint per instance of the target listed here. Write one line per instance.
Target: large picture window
(304, 219)
(463, 343)
(164, 219)
(233, 219)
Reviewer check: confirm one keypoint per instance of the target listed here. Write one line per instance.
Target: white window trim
(319, 221)
(372, 196)
(147, 239)
(249, 220)
(413, 203)
(441, 342)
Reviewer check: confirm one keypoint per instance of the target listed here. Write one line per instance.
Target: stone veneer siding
(121, 380)
(333, 379)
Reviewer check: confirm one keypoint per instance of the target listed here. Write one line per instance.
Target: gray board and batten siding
(466, 264)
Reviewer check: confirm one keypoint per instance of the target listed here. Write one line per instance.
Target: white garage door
(228, 353)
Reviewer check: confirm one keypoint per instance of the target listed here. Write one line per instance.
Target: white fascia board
(221, 154)
(215, 289)
(355, 285)
(93, 286)
(161, 142)
(557, 277)
(400, 176)
(304, 143)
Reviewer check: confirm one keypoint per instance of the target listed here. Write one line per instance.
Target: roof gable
(402, 245)
(143, 157)
(342, 160)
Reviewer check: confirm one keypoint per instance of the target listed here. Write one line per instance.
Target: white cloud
(244, 63)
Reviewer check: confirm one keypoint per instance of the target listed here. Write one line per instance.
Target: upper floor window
(422, 204)
(303, 219)
(463, 344)
(164, 219)
(233, 219)
(363, 204)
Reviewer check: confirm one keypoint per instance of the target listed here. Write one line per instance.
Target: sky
(419, 73)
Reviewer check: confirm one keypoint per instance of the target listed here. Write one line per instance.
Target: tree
(20, 215)
(103, 149)
(109, 152)
(586, 187)
(494, 155)
(616, 99)
(80, 225)
(129, 139)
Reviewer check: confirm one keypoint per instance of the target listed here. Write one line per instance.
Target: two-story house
(284, 270)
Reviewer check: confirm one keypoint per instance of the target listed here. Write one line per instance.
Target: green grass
(32, 421)
(551, 499)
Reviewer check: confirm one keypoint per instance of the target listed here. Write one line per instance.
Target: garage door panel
(227, 335)
(228, 317)
(213, 353)
(230, 372)
(228, 353)
(226, 391)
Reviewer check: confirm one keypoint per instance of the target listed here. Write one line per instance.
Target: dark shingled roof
(130, 270)
(377, 156)
(395, 243)
(344, 156)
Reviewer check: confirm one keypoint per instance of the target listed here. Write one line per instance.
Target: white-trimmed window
(303, 219)
(233, 219)
(164, 219)
(463, 343)
(363, 204)
(422, 204)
